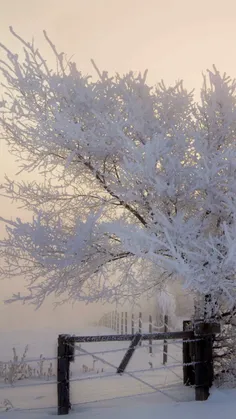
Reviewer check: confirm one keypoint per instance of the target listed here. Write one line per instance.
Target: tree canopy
(139, 182)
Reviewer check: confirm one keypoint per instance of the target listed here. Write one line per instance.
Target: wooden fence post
(140, 323)
(165, 343)
(115, 322)
(122, 323)
(112, 320)
(188, 370)
(64, 355)
(204, 333)
(150, 331)
(118, 323)
(126, 323)
(132, 324)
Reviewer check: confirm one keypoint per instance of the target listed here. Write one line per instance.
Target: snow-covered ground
(221, 405)
(99, 393)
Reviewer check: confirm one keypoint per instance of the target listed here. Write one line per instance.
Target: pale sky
(174, 39)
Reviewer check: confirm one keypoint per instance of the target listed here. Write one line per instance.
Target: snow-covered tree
(138, 186)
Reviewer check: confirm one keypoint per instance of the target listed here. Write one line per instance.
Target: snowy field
(96, 392)
(221, 405)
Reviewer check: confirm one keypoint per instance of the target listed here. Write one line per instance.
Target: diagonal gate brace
(128, 355)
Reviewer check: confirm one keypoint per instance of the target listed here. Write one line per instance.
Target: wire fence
(125, 322)
(80, 354)
(133, 372)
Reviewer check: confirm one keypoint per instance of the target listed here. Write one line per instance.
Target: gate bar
(187, 334)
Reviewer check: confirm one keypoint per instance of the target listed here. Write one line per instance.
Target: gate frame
(202, 333)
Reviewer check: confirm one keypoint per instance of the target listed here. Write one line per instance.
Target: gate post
(64, 356)
(204, 372)
(188, 370)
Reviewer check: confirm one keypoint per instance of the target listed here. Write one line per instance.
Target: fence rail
(119, 338)
(197, 358)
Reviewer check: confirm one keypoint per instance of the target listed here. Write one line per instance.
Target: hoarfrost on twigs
(139, 182)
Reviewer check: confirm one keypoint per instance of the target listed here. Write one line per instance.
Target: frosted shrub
(16, 369)
(19, 369)
(6, 405)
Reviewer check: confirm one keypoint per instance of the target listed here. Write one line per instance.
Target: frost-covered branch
(138, 182)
